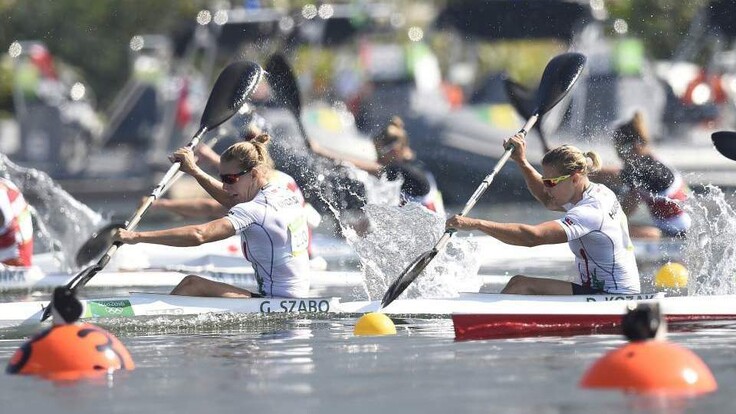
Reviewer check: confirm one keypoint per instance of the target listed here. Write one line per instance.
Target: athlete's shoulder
(255, 204)
(596, 200)
(284, 180)
(280, 177)
(598, 193)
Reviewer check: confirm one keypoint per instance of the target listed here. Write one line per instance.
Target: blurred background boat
(441, 67)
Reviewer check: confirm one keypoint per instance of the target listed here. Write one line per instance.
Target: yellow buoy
(671, 276)
(374, 323)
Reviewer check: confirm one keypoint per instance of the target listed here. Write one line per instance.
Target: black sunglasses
(233, 178)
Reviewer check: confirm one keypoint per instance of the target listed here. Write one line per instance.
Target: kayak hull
(474, 315)
(484, 326)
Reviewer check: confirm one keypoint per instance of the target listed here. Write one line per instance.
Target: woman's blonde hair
(568, 159)
(251, 154)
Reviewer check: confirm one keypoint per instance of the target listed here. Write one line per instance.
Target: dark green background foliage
(93, 36)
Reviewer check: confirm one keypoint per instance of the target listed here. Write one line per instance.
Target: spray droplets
(710, 256)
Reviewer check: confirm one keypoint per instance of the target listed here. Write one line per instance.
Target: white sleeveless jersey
(274, 237)
(598, 234)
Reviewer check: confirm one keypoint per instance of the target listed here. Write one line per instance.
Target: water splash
(388, 238)
(381, 190)
(63, 223)
(710, 256)
(324, 182)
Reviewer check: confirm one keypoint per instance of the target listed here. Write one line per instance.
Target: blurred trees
(92, 35)
(661, 24)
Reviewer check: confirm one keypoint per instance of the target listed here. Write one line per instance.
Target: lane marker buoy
(671, 275)
(649, 363)
(373, 324)
(70, 350)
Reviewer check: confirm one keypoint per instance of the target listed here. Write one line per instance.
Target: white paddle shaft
(156, 193)
(489, 178)
(485, 184)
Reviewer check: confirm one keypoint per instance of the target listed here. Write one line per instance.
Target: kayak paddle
(522, 99)
(725, 143)
(286, 89)
(558, 78)
(232, 88)
(101, 239)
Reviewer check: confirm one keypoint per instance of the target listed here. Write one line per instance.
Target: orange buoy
(649, 364)
(651, 367)
(70, 350)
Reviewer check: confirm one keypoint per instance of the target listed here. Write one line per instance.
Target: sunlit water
(315, 366)
(243, 363)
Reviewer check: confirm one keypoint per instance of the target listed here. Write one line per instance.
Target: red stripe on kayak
(490, 326)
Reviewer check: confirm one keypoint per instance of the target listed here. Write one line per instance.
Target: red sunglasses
(233, 178)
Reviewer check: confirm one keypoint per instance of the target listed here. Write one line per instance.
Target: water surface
(317, 365)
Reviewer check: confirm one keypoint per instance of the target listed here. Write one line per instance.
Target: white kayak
(497, 254)
(32, 278)
(494, 255)
(537, 312)
(13, 279)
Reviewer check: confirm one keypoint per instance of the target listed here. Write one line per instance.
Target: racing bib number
(299, 234)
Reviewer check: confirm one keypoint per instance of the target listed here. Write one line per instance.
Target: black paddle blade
(66, 304)
(558, 78)
(524, 102)
(521, 98)
(232, 88)
(407, 276)
(100, 241)
(283, 83)
(725, 142)
(85, 275)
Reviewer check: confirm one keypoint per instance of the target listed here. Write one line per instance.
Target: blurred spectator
(16, 226)
(396, 159)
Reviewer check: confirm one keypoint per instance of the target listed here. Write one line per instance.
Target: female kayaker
(594, 226)
(16, 226)
(395, 158)
(646, 179)
(269, 219)
(247, 127)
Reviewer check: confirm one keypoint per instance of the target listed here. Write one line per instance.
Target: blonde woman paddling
(268, 217)
(594, 226)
